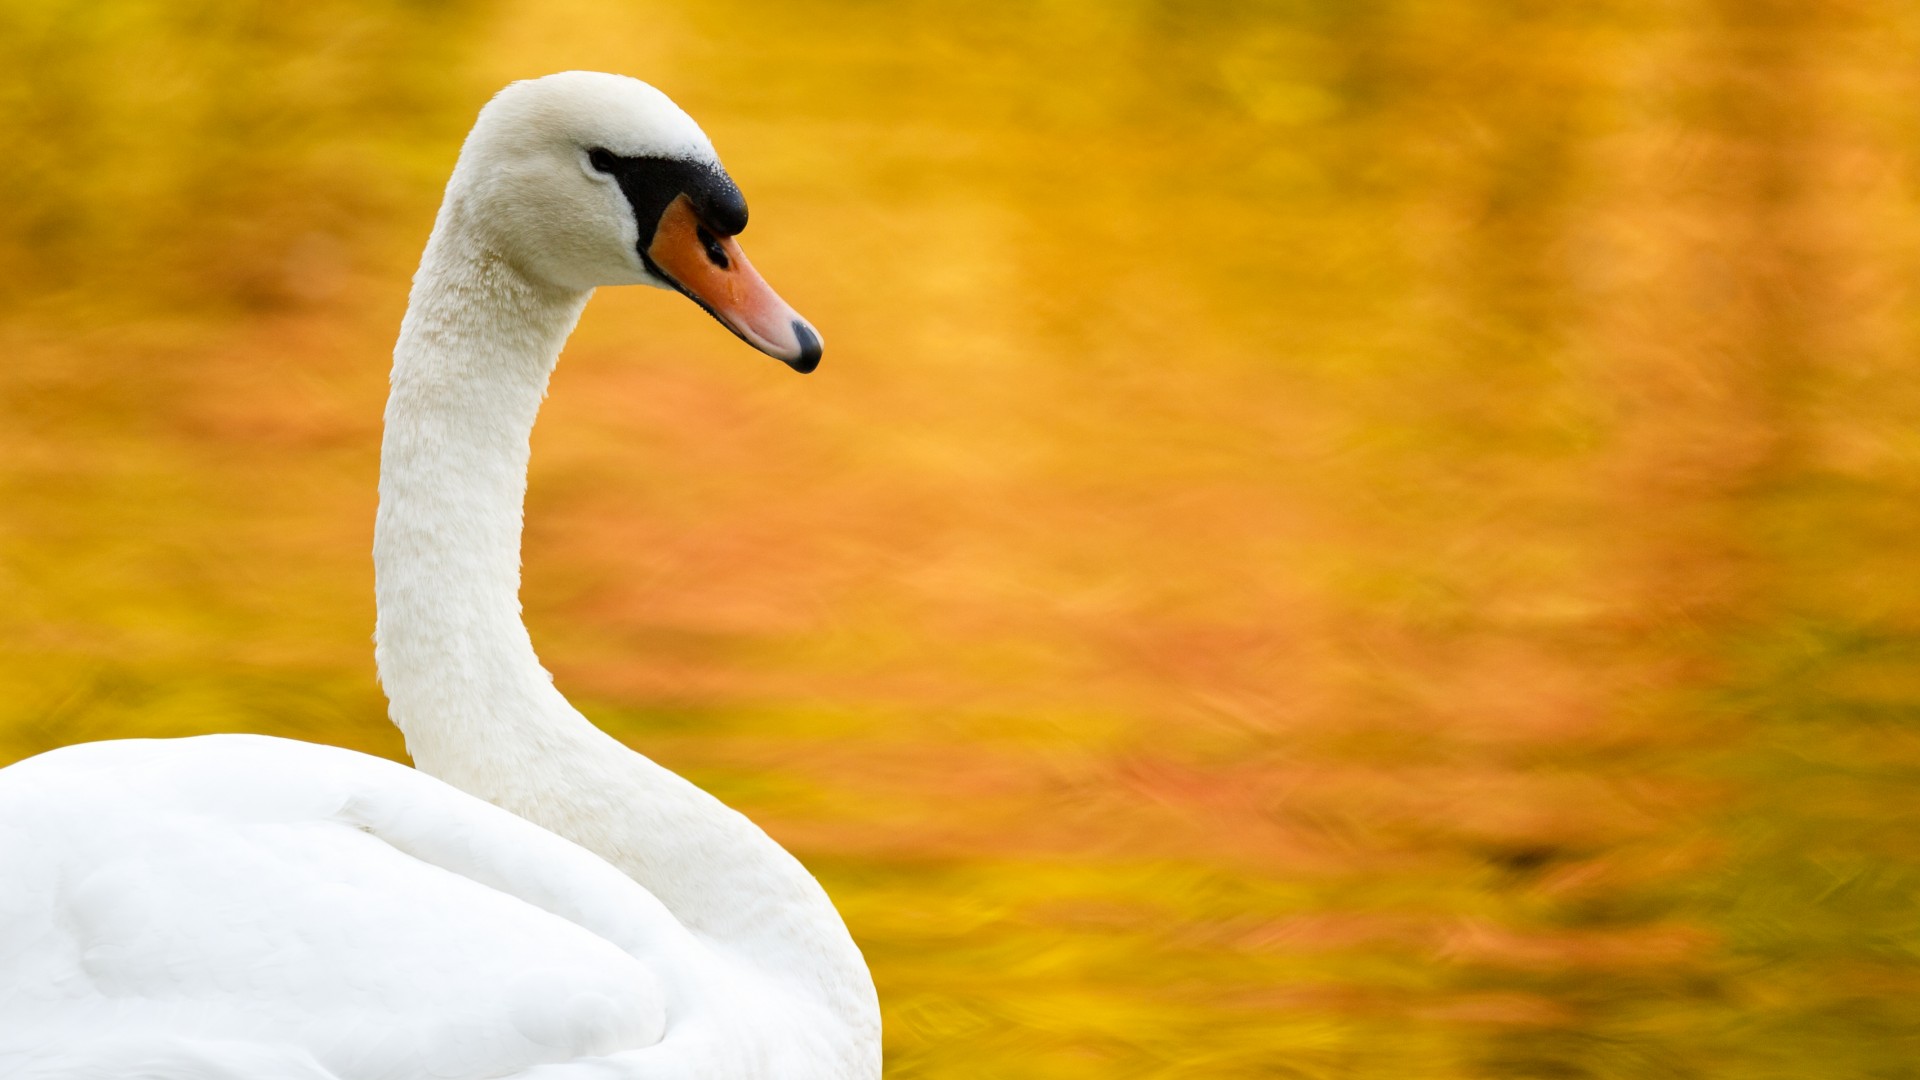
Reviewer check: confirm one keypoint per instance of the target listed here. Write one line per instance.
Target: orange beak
(716, 274)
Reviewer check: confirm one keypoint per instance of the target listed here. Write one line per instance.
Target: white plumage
(537, 901)
(199, 893)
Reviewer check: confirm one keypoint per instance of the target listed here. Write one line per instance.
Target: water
(1330, 540)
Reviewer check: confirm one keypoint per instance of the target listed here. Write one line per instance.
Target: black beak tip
(810, 348)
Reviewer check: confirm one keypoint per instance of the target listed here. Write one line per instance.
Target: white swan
(242, 908)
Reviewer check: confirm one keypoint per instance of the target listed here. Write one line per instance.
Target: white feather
(238, 906)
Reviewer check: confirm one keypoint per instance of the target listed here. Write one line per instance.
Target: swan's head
(584, 179)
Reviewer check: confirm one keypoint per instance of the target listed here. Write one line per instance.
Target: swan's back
(237, 906)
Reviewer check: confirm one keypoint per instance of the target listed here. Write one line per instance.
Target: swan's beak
(714, 271)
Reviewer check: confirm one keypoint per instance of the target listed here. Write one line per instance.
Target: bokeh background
(1334, 538)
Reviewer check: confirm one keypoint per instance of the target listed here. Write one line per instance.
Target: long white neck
(470, 369)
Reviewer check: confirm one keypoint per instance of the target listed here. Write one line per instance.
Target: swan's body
(235, 907)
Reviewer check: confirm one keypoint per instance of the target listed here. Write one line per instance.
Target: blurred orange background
(1332, 539)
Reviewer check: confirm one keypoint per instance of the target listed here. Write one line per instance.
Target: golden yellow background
(1333, 538)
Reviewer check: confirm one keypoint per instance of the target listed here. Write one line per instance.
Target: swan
(534, 900)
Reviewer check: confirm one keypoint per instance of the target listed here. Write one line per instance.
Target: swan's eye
(716, 254)
(601, 159)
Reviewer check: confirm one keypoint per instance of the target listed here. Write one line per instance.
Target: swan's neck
(475, 351)
(476, 348)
